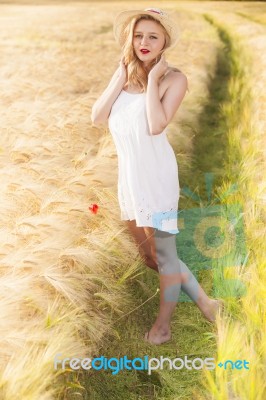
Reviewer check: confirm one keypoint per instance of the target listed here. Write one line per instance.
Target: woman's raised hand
(159, 69)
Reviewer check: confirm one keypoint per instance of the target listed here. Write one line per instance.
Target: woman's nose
(143, 41)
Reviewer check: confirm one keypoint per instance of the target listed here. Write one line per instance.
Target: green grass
(130, 330)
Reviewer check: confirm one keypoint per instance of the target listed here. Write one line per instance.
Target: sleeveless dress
(148, 185)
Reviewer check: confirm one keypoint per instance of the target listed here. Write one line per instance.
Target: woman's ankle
(204, 303)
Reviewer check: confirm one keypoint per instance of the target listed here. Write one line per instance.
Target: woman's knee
(150, 262)
(143, 243)
(166, 253)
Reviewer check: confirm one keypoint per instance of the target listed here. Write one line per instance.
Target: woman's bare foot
(157, 335)
(212, 309)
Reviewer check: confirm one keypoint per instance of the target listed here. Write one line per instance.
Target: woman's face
(150, 36)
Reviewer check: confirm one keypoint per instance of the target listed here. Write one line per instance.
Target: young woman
(139, 102)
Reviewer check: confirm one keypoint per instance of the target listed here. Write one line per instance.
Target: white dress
(148, 185)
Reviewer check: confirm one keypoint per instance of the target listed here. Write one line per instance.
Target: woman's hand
(122, 73)
(159, 69)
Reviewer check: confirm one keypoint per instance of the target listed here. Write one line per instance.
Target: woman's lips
(145, 51)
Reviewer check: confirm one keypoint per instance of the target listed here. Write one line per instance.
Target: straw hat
(124, 17)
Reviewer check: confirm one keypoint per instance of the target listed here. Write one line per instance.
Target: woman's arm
(160, 113)
(102, 107)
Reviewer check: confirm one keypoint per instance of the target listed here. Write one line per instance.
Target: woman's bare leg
(144, 237)
(170, 285)
(143, 243)
(174, 275)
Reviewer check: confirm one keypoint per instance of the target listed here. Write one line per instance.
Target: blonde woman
(139, 102)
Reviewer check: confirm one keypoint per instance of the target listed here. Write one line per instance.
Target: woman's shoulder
(172, 69)
(172, 74)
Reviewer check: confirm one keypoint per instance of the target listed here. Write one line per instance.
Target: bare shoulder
(176, 77)
(174, 69)
(176, 74)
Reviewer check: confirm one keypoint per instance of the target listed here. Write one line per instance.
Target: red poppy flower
(94, 208)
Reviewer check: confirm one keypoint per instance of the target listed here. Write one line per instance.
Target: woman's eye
(153, 37)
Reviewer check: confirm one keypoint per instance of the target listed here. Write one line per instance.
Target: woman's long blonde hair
(136, 73)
